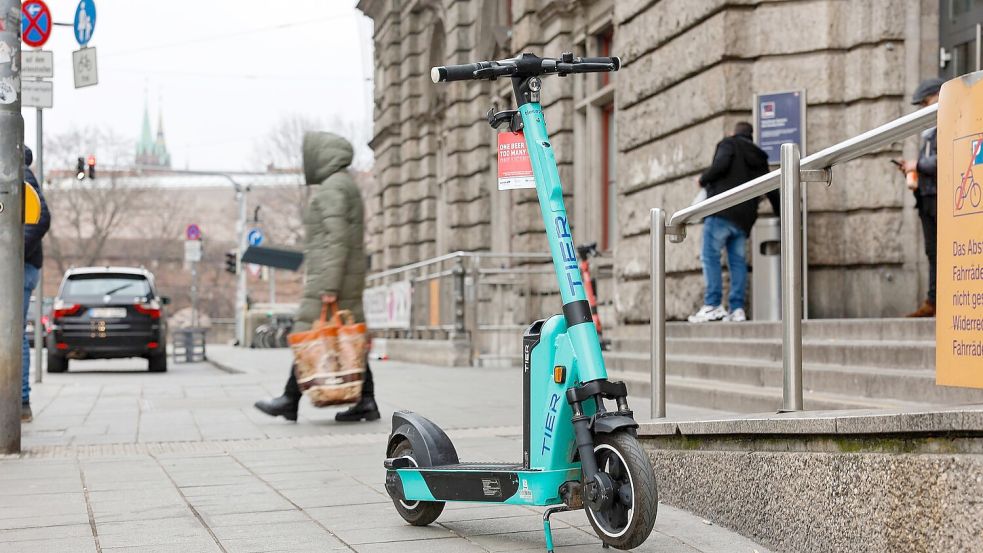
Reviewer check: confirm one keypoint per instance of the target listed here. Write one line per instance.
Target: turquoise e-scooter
(577, 454)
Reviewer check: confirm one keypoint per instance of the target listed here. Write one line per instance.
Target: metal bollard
(791, 190)
(658, 323)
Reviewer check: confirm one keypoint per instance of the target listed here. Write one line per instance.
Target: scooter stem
(576, 310)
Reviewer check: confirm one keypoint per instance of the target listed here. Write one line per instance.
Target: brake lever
(494, 72)
(564, 69)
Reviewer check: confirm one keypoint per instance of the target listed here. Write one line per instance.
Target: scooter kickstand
(546, 524)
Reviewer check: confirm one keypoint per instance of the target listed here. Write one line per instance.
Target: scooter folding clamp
(498, 118)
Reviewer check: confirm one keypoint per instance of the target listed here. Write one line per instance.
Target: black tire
(630, 520)
(57, 363)
(417, 513)
(157, 363)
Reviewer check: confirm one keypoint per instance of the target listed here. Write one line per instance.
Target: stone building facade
(637, 139)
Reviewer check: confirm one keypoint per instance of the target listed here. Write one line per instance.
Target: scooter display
(577, 454)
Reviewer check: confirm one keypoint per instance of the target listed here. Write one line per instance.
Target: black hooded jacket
(927, 166)
(736, 161)
(33, 252)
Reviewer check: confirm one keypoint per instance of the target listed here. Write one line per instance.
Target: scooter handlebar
(614, 60)
(464, 72)
(567, 64)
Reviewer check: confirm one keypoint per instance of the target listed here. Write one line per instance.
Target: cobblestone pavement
(121, 460)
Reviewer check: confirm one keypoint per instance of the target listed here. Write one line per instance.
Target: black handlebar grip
(447, 73)
(613, 59)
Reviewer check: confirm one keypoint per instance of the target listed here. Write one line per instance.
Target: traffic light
(230, 261)
(92, 166)
(80, 169)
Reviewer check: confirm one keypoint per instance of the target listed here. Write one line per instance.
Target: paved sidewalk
(121, 460)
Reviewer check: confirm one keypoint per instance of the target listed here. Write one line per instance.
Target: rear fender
(431, 446)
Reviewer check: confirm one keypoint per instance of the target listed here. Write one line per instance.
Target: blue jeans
(31, 274)
(719, 233)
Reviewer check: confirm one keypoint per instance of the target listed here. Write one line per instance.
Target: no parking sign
(35, 23)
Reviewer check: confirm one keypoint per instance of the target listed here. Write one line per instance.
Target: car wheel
(57, 363)
(157, 363)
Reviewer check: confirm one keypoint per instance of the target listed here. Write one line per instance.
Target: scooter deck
(481, 465)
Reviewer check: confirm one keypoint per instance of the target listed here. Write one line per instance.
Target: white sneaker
(736, 316)
(708, 313)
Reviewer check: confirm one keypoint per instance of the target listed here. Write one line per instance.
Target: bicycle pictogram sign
(35, 23)
(968, 192)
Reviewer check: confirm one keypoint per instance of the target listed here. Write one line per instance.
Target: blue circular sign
(85, 21)
(255, 237)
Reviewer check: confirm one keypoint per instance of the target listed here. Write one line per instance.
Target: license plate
(107, 312)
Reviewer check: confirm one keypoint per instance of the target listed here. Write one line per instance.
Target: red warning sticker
(514, 167)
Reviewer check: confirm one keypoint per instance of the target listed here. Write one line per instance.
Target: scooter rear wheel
(629, 520)
(417, 513)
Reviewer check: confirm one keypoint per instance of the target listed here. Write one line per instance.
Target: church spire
(151, 152)
(146, 144)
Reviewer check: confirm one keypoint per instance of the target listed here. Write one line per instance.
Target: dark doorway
(960, 44)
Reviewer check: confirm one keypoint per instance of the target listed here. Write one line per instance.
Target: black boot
(284, 406)
(365, 409)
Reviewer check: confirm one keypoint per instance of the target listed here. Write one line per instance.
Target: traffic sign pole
(39, 292)
(11, 235)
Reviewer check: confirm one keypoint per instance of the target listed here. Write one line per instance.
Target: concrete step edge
(777, 365)
(772, 392)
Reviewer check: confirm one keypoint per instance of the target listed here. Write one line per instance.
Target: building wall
(690, 69)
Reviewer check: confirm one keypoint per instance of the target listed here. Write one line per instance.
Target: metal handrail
(788, 178)
(847, 150)
(417, 265)
(456, 255)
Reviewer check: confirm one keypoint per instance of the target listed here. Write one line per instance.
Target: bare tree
(84, 217)
(61, 151)
(283, 213)
(281, 147)
(86, 213)
(161, 213)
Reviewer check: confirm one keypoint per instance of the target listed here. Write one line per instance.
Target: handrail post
(459, 299)
(657, 278)
(791, 194)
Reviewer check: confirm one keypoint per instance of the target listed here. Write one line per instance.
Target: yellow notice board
(959, 322)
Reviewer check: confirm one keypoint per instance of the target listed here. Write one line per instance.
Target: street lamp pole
(11, 231)
(240, 273)
(241, 190)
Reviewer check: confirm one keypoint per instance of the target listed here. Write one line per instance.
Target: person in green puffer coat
(334, 258)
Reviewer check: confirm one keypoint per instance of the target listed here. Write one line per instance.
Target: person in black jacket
(33, 259)
(923, 185)
(737, 160)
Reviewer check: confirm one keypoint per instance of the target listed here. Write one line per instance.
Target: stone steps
(875, 383)
(743, 398)
(636, 337)
(855, 363)
(916, 355)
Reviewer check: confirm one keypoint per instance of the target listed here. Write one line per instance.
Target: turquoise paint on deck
(536, 487)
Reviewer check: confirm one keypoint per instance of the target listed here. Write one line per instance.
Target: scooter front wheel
(627, 522)
(417, 513)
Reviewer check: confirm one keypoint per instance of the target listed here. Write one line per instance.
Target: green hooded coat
(334, 251)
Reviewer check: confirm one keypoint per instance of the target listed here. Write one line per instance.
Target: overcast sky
(224, 72)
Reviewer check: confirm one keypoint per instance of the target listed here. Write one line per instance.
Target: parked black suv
(105, 313)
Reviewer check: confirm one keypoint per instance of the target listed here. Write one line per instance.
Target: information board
(780, 117)
(389, 305)
(959, 303)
